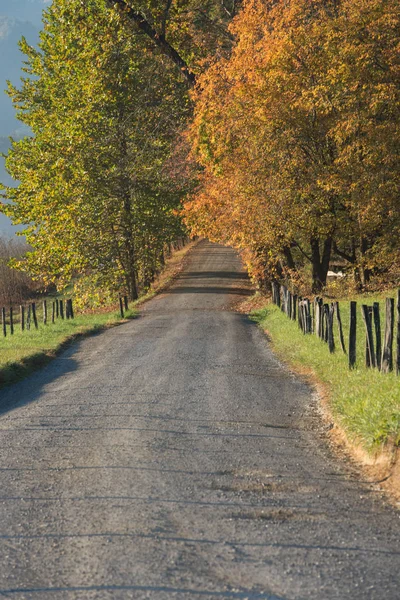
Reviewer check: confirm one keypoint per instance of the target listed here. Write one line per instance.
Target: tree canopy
(298, 136)
(98, 189)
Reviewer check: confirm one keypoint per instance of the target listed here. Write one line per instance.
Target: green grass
(25, 351)
(365, 401)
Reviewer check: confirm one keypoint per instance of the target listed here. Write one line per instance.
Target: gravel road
(174, 457)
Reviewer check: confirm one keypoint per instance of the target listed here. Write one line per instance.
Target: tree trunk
(289, 258)
(320, 265)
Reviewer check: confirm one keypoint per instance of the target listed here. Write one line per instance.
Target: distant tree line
(15, 286)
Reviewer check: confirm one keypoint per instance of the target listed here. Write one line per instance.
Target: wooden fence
(318, 317)
(26, 317)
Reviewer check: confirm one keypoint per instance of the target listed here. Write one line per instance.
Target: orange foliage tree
(296, 134)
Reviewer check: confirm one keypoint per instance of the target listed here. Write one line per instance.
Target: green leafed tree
(98, 188)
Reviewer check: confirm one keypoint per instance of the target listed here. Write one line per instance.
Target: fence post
(299, 313)
(326, 322)
(340, 327)
(57, 308)
(294, 307)
(308, 316)
(353, 335)
(67, 314)
(366, 312)
(121, 308)
(22, 313)
(289, 305)
(61, 308)
(34, 315)
(398, 335)
(387, 354)
(378, 335)
(283, 301)
(3, 321)
(312, 311)
(278, 295)
(305, 316)
(71, 309)
(331, 339)
(28, 318)
(53, 312)
(316, 316)
(321, 331)
(11, 321)
(44, 312)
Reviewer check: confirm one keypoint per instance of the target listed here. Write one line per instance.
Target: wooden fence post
(67, 314)
(22, 313)
(61, 308)
(387, 353)
(34, 316)
(321, 331)
(278, 295)
(378, 335)
(326, 322)
(11, 321)
(121, 308)
(289, 305)
(294, 307)
(53, 312)
(340, 326)
(331, 339)
(283, 301)
(71, 309)
(57, 308)
(308, 316)
(353, 335)
(316, 316)
(3, 321)
(304, 316)
(44, 312)
(398, 334)
(366, 312)
(299, 313)
(28, 317)
(312, 309)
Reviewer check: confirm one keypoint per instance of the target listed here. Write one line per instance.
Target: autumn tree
(279, 127)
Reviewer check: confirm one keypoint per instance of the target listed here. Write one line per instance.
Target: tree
(277, 132)
(104, 111)
(106, 106)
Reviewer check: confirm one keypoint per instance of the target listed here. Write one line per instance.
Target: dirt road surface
(174, 457)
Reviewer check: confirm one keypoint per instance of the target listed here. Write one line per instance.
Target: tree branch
(157, 38)
(165, 18)
(350, 258)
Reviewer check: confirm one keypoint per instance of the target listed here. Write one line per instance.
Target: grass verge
(24, 352)
(364, 402)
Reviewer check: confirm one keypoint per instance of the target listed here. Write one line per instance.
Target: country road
(174, 457)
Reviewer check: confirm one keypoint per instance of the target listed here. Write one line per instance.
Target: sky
(17, 18)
